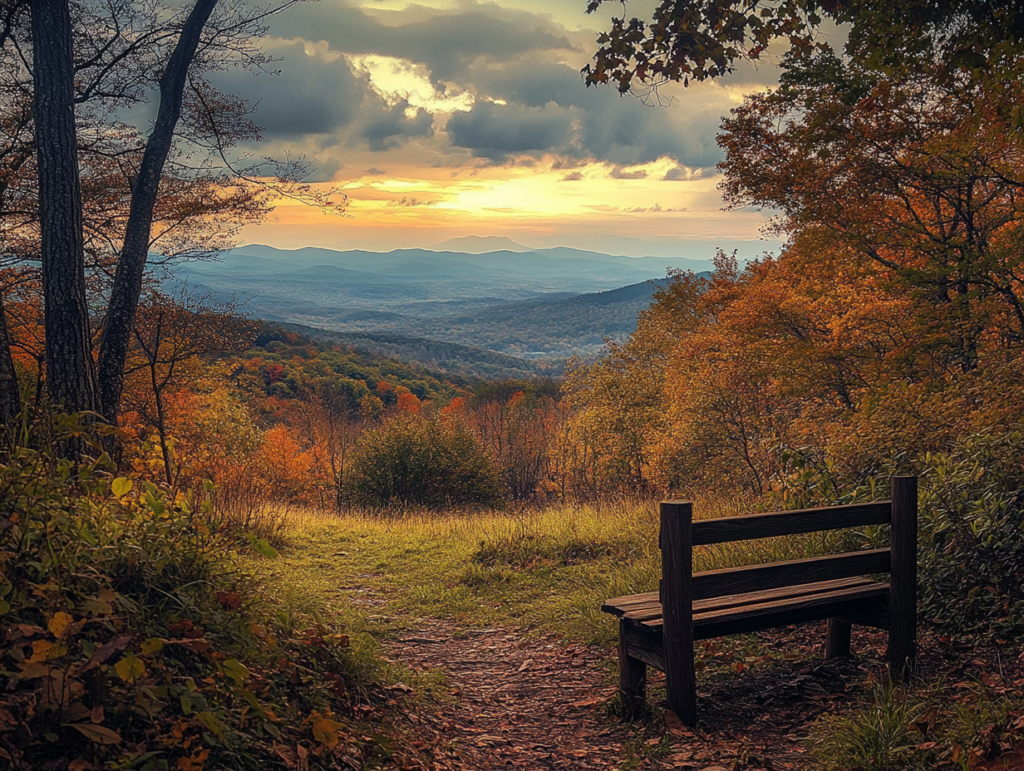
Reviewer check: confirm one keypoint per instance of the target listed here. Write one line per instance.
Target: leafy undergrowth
(134, 636)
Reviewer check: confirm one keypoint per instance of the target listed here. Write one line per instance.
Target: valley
(539, 306)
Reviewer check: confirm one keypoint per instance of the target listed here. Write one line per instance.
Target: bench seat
(855, 600)
(644, 610)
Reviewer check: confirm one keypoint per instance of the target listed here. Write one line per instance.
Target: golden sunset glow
(443, 120)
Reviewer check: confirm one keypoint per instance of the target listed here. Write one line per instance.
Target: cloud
(480, 85)
(444, 41)
(618, 173)
(497, 131)
(572, 176)
(309, 96)
(390, 128)
(620, 130)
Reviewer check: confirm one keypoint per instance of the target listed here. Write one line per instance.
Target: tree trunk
(70, 374)
(131, 265)
(10, 397)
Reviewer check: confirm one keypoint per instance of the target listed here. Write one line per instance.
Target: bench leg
(632, 680)
(837, 645)
(902, 649)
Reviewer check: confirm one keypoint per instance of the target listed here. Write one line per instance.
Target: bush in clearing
(434, 463)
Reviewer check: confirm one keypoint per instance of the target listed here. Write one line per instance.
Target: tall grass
(547, 567)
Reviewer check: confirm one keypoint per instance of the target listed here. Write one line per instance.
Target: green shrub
(131, 636)
(410, 461)
(970, 525)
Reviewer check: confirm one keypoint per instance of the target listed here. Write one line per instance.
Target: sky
(454, 118)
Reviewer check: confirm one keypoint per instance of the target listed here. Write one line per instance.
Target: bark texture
(10, 398)
(71, 376)
(131, 265)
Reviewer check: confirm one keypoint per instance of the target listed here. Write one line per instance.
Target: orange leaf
(325, 731)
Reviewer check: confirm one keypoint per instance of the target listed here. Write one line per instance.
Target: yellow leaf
(121, 487)
(40, 650)
(325, 731)
(130, 669)
(59, 624)
(152, 645)
(96, 733)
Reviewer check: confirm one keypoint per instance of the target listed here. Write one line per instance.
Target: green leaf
(121, 487)
(236, 670)
(261, 546)
(210, 720)
(5, 607)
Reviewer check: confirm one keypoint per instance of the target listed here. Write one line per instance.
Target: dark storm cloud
(444, 42)
(309, 96)
(498, 131)
(391, 127)
(617, 129)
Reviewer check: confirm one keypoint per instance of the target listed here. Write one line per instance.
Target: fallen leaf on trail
(675, 726)
(130, 669)
(1012, 761)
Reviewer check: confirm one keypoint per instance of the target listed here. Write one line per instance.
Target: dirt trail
(537, 703)
(521, 703)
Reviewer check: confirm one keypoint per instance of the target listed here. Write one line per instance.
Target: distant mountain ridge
(545, 304)
(479, 245)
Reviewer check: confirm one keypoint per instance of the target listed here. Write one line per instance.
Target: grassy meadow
(543, 568)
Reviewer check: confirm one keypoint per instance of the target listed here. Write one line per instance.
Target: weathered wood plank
(903, 603)
(677, 609)
(727, 529)
(718, 583)
(839, 604)
(619, 605)
(653, 610)
(808, 611)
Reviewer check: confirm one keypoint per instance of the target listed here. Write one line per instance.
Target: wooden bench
(660, 630)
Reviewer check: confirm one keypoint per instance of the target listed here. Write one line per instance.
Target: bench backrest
(679, 534)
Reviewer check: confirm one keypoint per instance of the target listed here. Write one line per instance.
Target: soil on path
(535, 703)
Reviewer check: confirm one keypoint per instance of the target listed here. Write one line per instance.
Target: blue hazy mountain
(537, 303)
